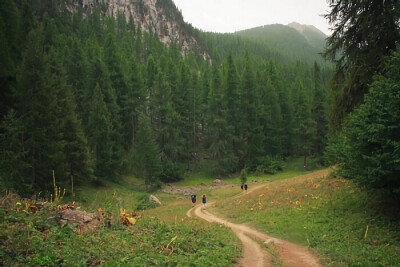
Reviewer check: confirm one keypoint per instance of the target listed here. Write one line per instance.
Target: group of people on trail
(204, 197)
(204, 200)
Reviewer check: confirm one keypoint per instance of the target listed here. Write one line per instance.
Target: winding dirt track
(253, 254)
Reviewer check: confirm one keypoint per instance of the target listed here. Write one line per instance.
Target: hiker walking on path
(193, 200)
(204, 201)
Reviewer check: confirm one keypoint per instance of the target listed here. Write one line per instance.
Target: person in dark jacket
(204, 201)
(193, 200)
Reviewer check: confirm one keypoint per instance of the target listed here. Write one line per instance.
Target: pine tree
(271, 117)
(364, 32)
(14, 166)
(220, 132)
(232, 104)
(252, 130)
(304, 124)
(99, 133)
(132, 103)
(39, 82)
(319, 110)
(286, 107)
(147, 157)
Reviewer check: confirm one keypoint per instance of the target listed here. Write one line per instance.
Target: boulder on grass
(85, 220)
(154, 199)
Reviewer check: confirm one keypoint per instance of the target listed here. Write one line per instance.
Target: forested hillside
(291, 41)
(94, 97)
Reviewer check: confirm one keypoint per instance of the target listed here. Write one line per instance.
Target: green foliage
(171, 172)
(147, 155)
(34, 240)
(368, 148)
(364, 33)
(269, 165)
(75, 86)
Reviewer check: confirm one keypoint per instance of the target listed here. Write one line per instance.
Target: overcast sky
(234, 15)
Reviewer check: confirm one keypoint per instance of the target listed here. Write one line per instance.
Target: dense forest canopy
(94, 97)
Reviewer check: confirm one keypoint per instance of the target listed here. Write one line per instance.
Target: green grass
(203, 175)
(31, 239)
(35, 241)
(328, 215)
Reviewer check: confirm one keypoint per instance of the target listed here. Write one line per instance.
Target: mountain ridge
(313, 35)
(288, 40)
(161, 18)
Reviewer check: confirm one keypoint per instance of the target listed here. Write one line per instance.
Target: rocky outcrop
(84, 220)
(159, 17)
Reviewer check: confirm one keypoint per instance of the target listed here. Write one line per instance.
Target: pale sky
(235, 15)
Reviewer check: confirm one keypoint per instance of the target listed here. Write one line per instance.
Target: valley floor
(271, 250)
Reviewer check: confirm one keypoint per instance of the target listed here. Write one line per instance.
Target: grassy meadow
(34, 239)
(337, 220)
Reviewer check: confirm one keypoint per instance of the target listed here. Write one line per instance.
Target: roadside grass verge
(333, 217)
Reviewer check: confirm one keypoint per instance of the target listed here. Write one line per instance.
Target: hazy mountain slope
(314, 36)
(285, 39)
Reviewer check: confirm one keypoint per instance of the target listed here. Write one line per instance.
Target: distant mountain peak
(303, 27)
(314, 36)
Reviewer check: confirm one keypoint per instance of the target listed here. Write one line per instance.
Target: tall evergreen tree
(99, 133)
(14, 166)
(250, 108)
(305, 125)
(39, 83)
(147, 154)
(232, 104)
(220, 132)
(319, 110)
(286, 107)
(364, 32)
(271, 117)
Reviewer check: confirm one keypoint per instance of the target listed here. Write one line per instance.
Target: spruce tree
(364, 33)
(250, 108)
(14, 166)
(305, 131)
(319, 110)
(38, 81)
(220, 132)
(99, 133)
(147, 158)
(232, 104)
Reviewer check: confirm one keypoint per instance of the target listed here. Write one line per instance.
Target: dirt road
(289, 254)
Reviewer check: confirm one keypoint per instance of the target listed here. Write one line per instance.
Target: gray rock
(154, 199)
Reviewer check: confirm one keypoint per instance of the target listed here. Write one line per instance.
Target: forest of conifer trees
(94, 98)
